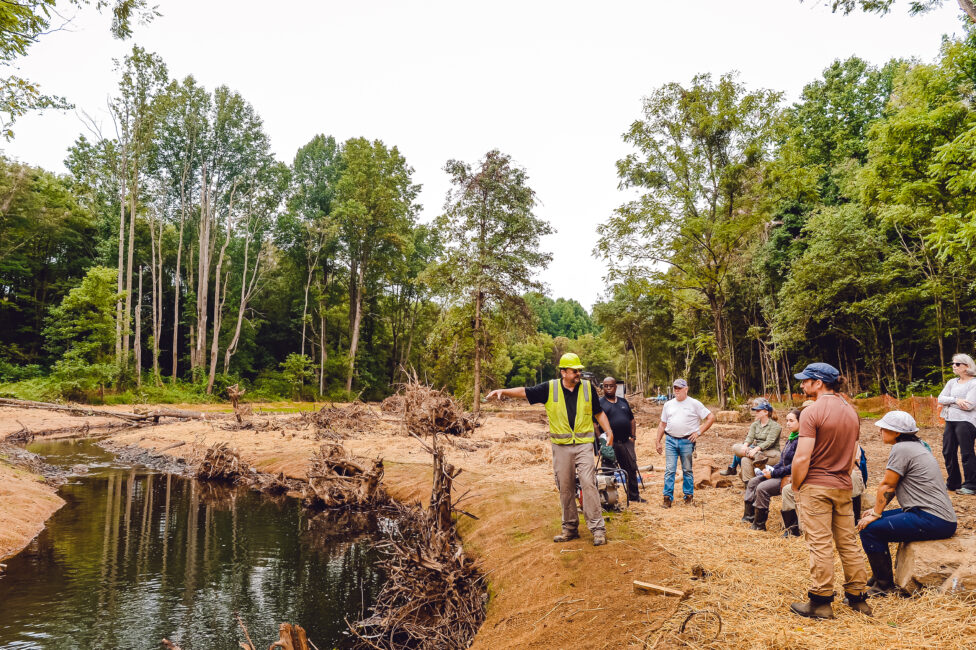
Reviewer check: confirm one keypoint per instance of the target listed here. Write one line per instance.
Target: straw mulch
(337, 480)
(751, 577)
(434, 596)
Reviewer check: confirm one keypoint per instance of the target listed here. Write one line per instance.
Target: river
(135, 556)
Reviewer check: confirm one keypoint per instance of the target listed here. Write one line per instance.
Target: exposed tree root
(336, 480)
(427, 411)
(336, 423)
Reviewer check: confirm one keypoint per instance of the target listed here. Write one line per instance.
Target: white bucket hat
(898, 421)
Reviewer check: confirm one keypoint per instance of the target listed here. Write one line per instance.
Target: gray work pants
(568, 461)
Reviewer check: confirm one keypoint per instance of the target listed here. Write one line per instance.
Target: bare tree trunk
(308, 284)
(357, 319)
(203, 273)
(218, 307)
(894, 368)
(137, 342)
(156, 272)
(476, 395)
(322, 353)
(128, 272)
(176, 300)
(970, 8)
(248, 288)
(118, 303)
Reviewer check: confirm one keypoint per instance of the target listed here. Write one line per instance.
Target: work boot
(667, 502)
(882, 582)
(791, 524)
(748, 514)
(689, 499)
(856, 501)
(566, 536)
(816, 607)
(599, 538)
(759, 523)
(859, 603)
(728, 471)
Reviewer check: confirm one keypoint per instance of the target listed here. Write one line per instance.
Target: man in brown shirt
(829, 430)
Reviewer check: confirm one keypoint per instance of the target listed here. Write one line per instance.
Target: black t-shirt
(540, 395)
(619, 415)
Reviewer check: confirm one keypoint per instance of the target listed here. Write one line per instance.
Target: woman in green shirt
(761, 446)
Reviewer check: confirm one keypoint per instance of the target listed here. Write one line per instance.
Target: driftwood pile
(427, 411)
(221, 463)
(336, 423)
(337, 480)
(433, 596)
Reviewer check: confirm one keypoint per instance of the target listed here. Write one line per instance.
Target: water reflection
(136, 556)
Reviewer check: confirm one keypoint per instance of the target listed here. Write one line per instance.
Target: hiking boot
(728, 471)
(858, 604)
(566, 536)
(748, 513)
(816, 607)
(667, 502)
(599, 538)
(762, 514)
(791, 524)
(689, 499)
(882, 582)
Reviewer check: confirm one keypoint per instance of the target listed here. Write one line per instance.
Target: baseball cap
(897, 421)
(822, 371)
(680, 383)
(761, 404)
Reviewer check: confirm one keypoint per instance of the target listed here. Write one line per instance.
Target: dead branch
(336, 480)
(427, 411)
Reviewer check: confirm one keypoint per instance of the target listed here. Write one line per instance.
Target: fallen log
(87, 411)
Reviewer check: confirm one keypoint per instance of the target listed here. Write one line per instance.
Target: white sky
(554, 84)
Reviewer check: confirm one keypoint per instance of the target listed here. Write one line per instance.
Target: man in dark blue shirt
(624, 428)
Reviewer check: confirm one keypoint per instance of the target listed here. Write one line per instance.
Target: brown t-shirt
(834, 426)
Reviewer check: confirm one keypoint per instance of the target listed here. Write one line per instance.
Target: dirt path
(575, 595)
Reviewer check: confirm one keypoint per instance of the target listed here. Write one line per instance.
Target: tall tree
(375, 209)
(700, 154)
(492, 240)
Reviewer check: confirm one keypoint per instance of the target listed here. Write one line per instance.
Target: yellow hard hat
(571, 360)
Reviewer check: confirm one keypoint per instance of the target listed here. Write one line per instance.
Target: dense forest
(177, 256)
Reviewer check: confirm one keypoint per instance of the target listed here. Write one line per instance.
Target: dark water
(136, 556)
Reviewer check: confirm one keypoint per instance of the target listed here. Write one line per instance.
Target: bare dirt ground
(545, 595)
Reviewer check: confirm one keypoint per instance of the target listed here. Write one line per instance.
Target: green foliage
(560, 317)
(297, 370)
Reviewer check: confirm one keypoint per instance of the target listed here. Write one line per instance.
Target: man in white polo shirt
(683, 419)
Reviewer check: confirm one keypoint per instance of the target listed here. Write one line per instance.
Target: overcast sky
(553, 84)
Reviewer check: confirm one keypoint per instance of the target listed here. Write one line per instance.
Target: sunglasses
(958, 363)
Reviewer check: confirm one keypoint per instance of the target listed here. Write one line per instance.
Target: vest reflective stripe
(560, 432)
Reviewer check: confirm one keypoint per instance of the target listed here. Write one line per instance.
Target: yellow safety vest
(560, 433)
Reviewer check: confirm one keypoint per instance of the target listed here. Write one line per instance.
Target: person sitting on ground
(762, 442)
(913, 476)
(958, 400)
(762, 488)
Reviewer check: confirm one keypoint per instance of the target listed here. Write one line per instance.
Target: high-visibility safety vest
(560, 433)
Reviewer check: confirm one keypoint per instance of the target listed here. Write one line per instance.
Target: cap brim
(802, 376)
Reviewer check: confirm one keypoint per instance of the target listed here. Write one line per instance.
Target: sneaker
(566, 536)
(965, 490)
(667, 502)
(599, 538)
(689, 498)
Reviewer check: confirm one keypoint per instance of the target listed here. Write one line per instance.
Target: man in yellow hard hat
(571, 406)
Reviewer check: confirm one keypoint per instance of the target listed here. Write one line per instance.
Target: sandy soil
(575, 595)
(25, 504)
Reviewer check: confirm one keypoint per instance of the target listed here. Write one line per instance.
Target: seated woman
(762, 443)
(913, 476)
(762, 488)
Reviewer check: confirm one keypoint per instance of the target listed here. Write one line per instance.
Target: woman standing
(762, 488)
(913, 476)
(958, 399)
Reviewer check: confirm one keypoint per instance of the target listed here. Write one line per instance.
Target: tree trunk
(476, 395)
(720, 369)
(128, 271)
(970, 8)
(323, 355)
(894, 368)
(118, 303)
(357, 318)
(156, 243)
(203, 273)
(248, 287)
(218, 309)
(176, 299)
(137, 340)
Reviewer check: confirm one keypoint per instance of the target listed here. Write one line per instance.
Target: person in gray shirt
(913, 477)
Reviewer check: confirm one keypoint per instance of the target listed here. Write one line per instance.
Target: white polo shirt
(683, 418)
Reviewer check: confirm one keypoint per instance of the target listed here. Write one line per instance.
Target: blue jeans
(899, 525)
(673, 448)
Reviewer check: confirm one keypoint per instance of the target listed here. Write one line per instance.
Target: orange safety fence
(925, 410)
